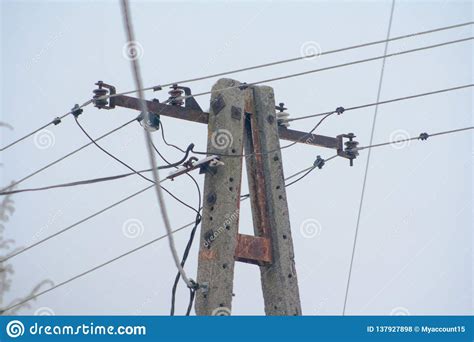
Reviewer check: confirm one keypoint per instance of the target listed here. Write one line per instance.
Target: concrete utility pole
(245, 117)
(241, 117)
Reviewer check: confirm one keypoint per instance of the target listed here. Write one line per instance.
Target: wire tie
(340, 110)
(76, 110)
(194, 286)
(56, 121)
(423, 136)
(319, 162)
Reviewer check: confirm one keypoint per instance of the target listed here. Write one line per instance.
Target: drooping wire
(138, 82)
(110, 154)
(197, 221)
(364, 183)
(55, 121)
(133, 170)
(166, 142)
(323, 53)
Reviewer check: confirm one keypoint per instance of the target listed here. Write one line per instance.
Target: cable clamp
(56, 121)
(340, 110)
(243, 86)
(194, 286)
(424, 136)
(319, 162)
(76, 110)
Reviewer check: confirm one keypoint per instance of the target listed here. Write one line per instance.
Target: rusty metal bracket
(253, 249)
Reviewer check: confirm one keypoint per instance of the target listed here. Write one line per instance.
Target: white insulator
(282, 119)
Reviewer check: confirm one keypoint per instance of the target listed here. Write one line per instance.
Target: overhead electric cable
(379, 91)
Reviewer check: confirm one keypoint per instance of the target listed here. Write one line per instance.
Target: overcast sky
(414, 252)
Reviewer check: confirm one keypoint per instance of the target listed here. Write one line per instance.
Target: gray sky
(414, 251)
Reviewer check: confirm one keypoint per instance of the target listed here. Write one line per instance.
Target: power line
(372, 132)
(100, 179)
(365, 60)
(106, 262)
(97, 213)
(91, 269)
(323, 53)
(65, 156)
(387, 101)
(307, 171)
(138, 82)
(153, 170)
(3, 191)
(110, 154)
(422, 136)
(55, 121)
